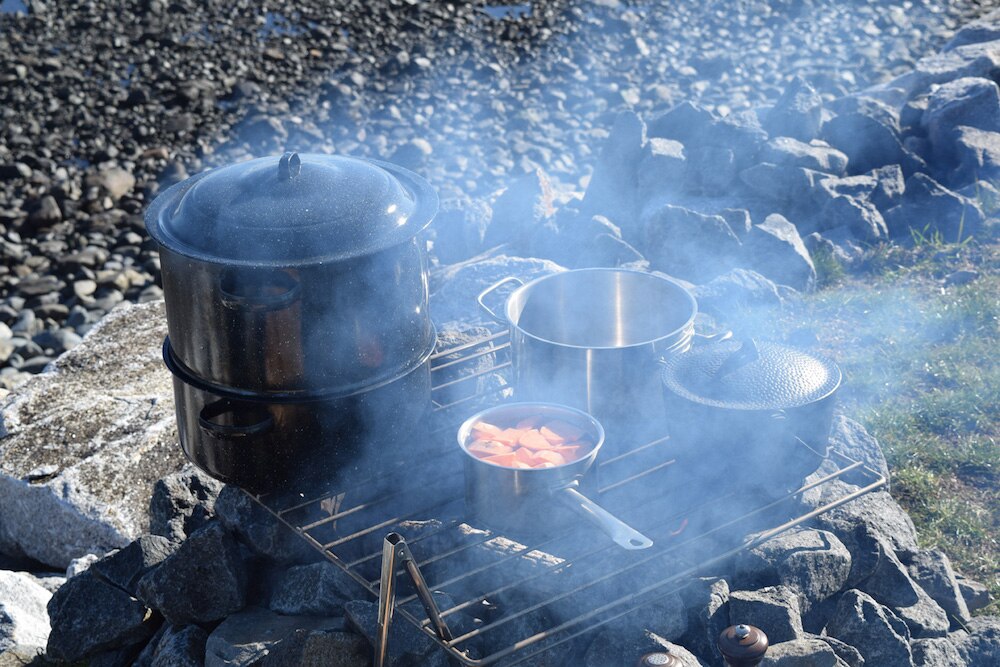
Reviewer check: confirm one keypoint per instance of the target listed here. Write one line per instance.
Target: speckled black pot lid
(302, 208)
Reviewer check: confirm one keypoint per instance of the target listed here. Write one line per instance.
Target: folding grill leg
(395, 549)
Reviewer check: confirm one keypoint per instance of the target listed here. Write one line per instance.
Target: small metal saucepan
(534, 501)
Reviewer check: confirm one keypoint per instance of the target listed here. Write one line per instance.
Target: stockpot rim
(688, 325)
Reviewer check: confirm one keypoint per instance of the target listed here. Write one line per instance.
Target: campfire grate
(511, 601)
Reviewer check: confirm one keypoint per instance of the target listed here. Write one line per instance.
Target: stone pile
(105, 103)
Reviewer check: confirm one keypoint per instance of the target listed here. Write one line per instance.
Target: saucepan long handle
(623, 534)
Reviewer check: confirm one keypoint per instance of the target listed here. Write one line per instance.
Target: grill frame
(291, 510)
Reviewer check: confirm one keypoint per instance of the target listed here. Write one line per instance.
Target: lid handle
(746, 354)
(289, 166)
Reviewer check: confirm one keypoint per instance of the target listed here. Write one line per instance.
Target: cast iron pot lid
(750, 375)
(292, 210)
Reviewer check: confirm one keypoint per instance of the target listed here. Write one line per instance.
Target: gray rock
(981, 647)
(707, 602)
(115, 182)
(969, 60)
(847, 653)
(879, 513)
(805, 652)
(81, 565)
(320, 648)
(798, 113)
(890, 188)
(788, 152)
(973, 102)
(460, 227)
(182, 503)
(45, 211)
(246, 637)
(735, 291)
(319, 589)
(976, 595)
(983, 29)
(125, 567)
(522, 207)
(258, 529)
(870, 628)
(931, 570)
(177, 588)
(851, 439)
(860, 216)
(928, 207)
(936, 653)
(454, 289)
(612, 647)
(24, 620)
(49, 581)
(117, 399)
(407, 645)
(689, 245)
(774, 609)
(612, 188)
(869, 142)
(781, 183)
(774, 249)
(91, 616)
(814, 563)
(711, 169)
(738, 219)
(860, 186)
(976, 154)
(663, 169)
(180, 647)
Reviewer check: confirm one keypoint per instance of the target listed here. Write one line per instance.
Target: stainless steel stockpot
(591, 339)
(296, 276)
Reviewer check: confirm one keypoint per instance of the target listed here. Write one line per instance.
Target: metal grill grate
(530, 597)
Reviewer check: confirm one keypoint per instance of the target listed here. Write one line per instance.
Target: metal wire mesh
(529, 596)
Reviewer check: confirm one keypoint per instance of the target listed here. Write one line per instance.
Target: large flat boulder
(82, 445)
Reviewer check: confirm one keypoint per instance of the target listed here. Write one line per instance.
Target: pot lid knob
(289, 166)
(742, 645)
(659, 659)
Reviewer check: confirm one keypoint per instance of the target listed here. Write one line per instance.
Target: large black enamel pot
(296, 276)
(264, 443)
(757, 410)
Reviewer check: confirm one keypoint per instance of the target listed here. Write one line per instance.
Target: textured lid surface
(292, 210)
(750, 375)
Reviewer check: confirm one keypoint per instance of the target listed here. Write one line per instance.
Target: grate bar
(585, 563)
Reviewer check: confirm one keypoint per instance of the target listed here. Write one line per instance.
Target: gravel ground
(104, 103)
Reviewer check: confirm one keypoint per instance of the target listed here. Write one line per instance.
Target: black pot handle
(272, 291)
(258, 424)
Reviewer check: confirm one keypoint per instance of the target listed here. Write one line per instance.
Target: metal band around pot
(185, 374)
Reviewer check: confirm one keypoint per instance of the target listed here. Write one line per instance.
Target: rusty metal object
(742, 645)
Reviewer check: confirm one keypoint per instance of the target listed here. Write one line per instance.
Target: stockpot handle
(492, 288)
(259, 302)
(620, 532)
(260, 423)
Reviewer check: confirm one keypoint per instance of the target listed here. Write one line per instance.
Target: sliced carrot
(565, 430)
(534, 421)
(534, 440)
(480, 429)
(525, 455)
(506, 460)
(525, 466)
(570, 452)
(547, 456)
(489, 448)
(509, 436)
(545, 464)
(550, 435)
